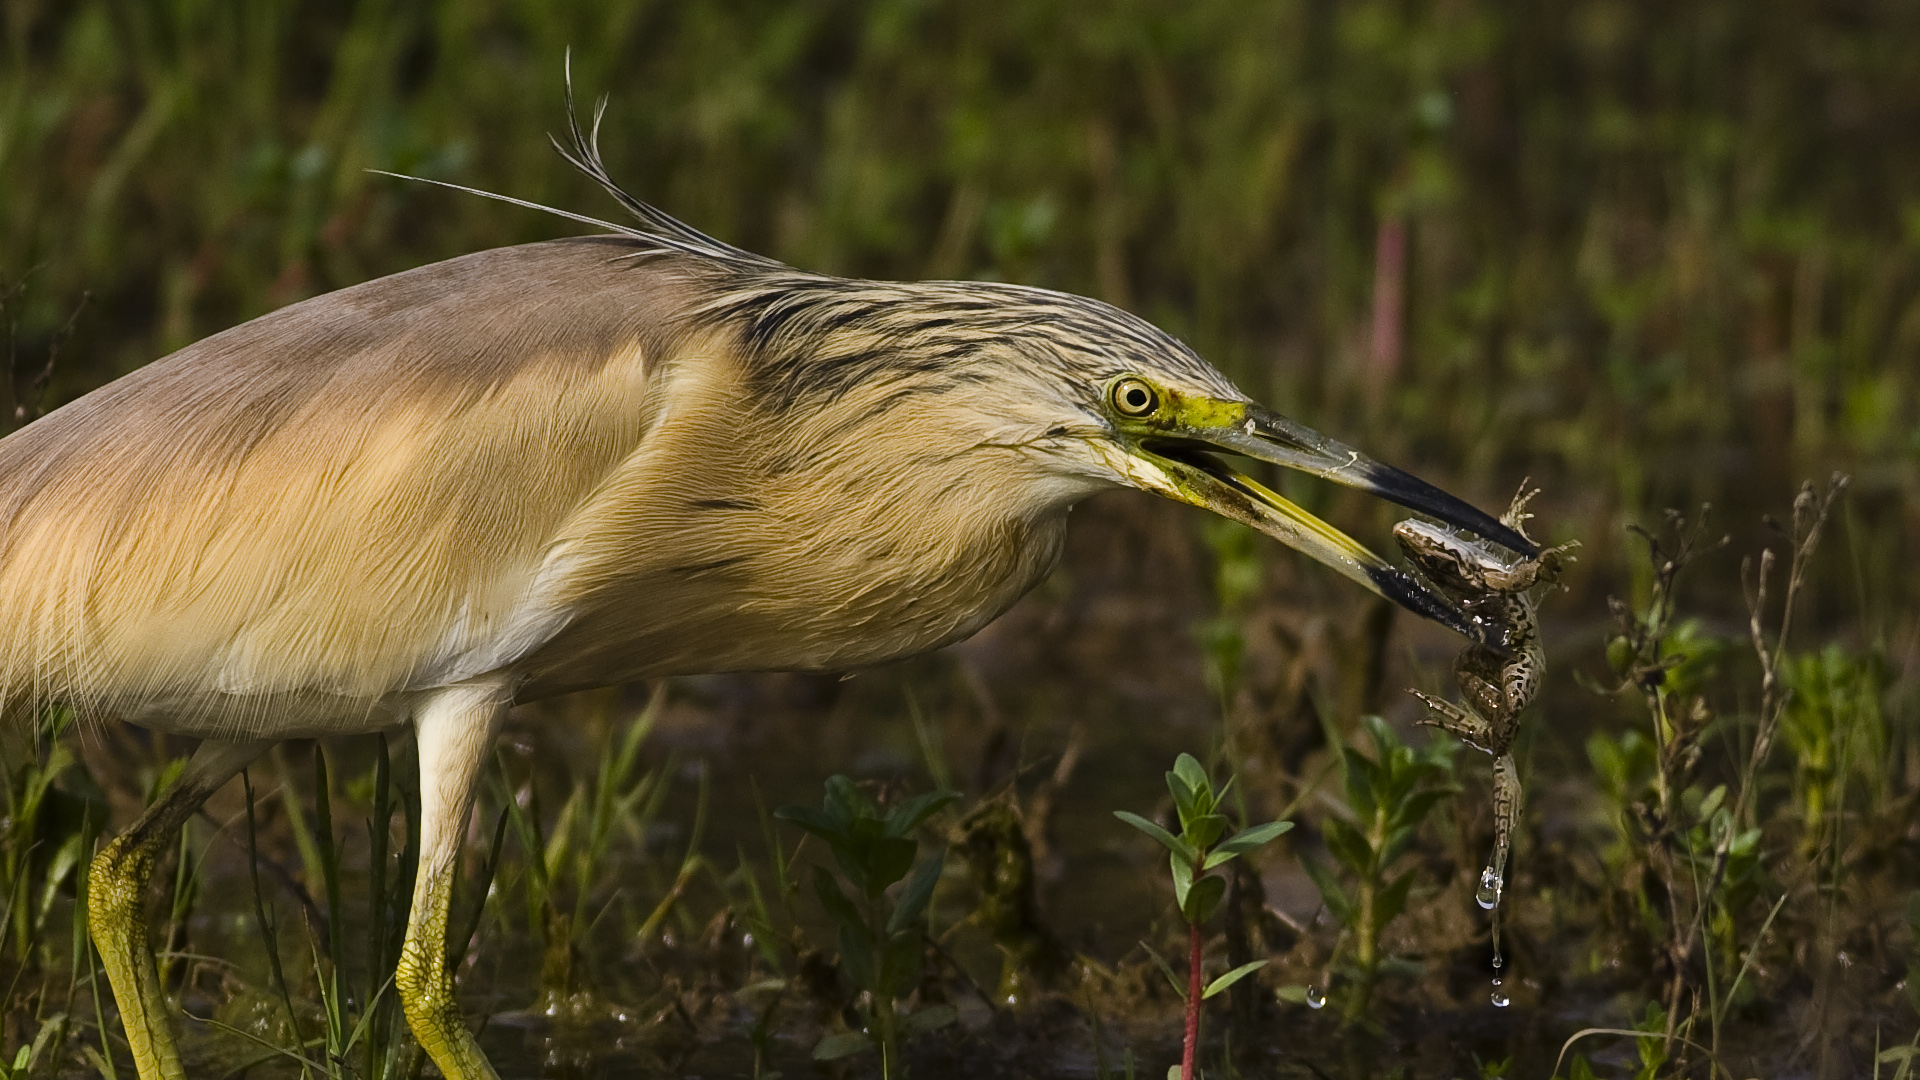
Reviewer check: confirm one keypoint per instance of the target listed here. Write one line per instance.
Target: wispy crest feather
(658, 228)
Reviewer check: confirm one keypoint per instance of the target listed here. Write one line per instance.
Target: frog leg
(116, 895)
(1520, 684)
(1479, 695)
(1456, 720)
(1506, 809)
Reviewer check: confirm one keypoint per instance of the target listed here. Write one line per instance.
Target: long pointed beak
(1176, 457)
(1265, 435)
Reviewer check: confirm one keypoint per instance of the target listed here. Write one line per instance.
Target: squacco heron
(539, 469)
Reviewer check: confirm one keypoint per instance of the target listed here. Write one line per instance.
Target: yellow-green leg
(116, 894)
(456, 728)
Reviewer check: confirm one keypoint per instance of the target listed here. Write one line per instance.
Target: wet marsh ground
(1651, 257)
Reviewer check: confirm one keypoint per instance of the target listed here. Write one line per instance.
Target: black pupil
(1136, 397)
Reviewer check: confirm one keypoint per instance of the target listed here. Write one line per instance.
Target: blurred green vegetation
(1663, 253)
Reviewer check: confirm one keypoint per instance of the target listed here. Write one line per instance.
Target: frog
(1500, 673)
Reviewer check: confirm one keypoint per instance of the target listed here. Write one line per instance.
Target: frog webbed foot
(1459, 722)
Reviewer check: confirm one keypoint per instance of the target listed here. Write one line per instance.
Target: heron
(523, 472)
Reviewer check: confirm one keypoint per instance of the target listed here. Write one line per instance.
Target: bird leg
(455, 729)
(117, 887)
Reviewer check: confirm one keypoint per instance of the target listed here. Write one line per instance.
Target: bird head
(1103, 397)
(1088, 395)
(1164, 434)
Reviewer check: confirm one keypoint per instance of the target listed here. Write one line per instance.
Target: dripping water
(1316, 999)
(1488, 895)
(1489, 898)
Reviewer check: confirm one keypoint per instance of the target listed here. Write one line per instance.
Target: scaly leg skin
(1459, 722)
(1506, 810)
(456, 729)
(117, 887)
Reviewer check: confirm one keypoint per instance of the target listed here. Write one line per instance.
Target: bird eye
(1134, 398)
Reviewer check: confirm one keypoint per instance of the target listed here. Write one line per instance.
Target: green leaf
(1399, 967)
(845, 799)
(857, 959)
(1190, 770)
(1392, 900)
(899, 965)
(1247, 840)
(819, 822)
(1415, 807)
(1172, 842)
(877, 863)
(1231, 977)
(909, 815)
(1179, 984)
(928, 1019)
(912, 908)
(845, 1044)
(1348, 845)
(1712, 802)
(1182, 880)
(1203, 899)
(1396, 844)
(1203, 829)
(838, 906)
(1330, 892)
(1362, 777)
(1218, 856)
(1385, 741)
(1186, 801)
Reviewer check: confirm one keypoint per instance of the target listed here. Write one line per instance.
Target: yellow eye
(1134, 398)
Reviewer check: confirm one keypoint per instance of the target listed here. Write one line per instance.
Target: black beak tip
(1416, 494)
(1403, 589)
(1510, 537)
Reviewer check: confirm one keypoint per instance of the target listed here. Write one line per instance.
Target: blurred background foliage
(1651, 253)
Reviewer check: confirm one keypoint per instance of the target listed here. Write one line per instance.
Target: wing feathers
(352, 496)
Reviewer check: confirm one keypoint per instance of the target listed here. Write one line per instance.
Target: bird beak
(1175, 454)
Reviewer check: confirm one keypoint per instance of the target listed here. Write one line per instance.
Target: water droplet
(1316, 999)
(1489, 892)
(1499, 961)
(1499, 999)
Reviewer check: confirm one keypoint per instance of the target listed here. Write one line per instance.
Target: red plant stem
(1389, 306)
(1194, 990)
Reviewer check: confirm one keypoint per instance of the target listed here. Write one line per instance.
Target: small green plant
(881, 942)
(769, 916)
(46, 834)
(1388, 797)
(361, 1033)
(1650, 1039)
(1196, 851)
(1833, 723)
(47, 829)
(569, 860)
